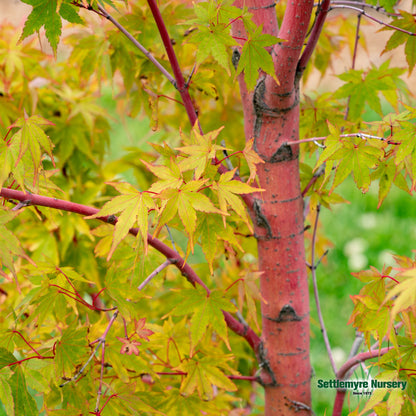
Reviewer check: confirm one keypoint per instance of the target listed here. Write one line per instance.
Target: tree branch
(103, 13)
(314, 36)
(181, 85)
(243, 330)
(362, 136)
(294, 28)
(154, 273)
(359, 358)
(316, 293)
(364, 13)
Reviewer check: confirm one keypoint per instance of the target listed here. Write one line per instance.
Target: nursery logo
(361, 387)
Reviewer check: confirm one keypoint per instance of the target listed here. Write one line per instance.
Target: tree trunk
(271, 115)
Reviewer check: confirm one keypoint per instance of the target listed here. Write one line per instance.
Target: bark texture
(271, 114)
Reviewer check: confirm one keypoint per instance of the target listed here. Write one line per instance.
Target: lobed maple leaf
(201, 151)
(252, 159)
(407, 22)
(32, 139)
(254, 57)
(352, 154)
(185, 201)
(202, 374)
(141, 331)
(134, 207)
(213, 37)
(206, 310)
(129, 346)
(228, 189)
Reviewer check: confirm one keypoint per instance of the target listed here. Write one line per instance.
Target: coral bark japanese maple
(140, 293)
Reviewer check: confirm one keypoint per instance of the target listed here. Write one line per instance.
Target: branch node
(265, 365)
(22, 204)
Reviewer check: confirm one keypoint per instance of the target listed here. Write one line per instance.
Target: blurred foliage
(71, 126)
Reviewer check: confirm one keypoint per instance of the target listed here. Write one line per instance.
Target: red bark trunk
(271, 116)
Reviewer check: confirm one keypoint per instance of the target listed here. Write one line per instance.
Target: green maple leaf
(45, 14)
(209, 231)
(31, 138)
(353, 154)
(102, 3)
(228, 189)
(9, 244)
(206, 309)
(386, 173)
(407, 22)
(386, 4)
(214, 41)
(254, 57)
(14, 387)
(202, 374)
(134, 207)
(71, 350)
(213, 37)
(69, 12)
(201, 152)
(407, 148)
(6, 396)
(363, 88)
(185, 201)
(24, 403)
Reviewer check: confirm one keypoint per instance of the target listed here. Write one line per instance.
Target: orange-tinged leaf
(395, 402)
(129, 346)
(252, 159)
(141, 329)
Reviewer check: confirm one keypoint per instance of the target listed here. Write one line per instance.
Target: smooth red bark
(271, 116)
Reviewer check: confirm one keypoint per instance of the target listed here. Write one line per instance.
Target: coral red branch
(294, 29)
(314, 36)
(352, 362)
(180, 81)
(186, 270)
(231, 377)
(379, 21)
(359, 358)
